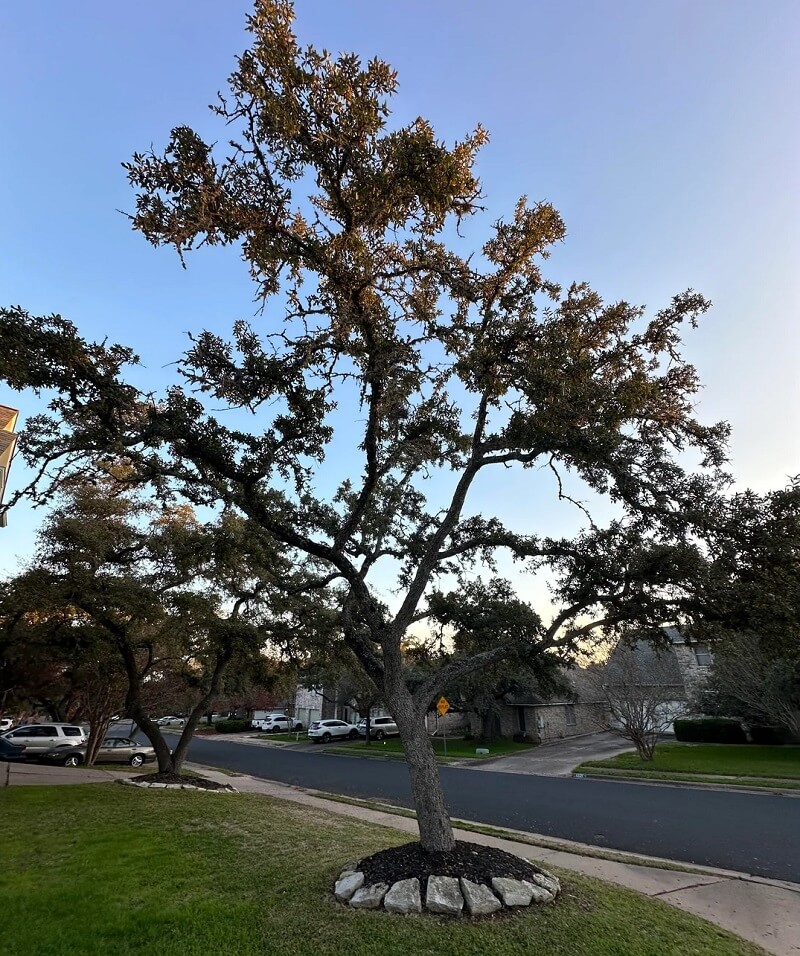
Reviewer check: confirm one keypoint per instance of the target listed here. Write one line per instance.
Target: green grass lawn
(744, 760)
(456, 748)
(99, 869)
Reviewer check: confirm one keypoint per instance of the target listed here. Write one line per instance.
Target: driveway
(556, 759)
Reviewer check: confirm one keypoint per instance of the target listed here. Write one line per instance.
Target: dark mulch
(470, 860)
(185, 778)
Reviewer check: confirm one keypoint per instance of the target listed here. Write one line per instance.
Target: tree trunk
(433, 818)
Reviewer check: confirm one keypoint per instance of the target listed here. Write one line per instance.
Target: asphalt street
(752, 833)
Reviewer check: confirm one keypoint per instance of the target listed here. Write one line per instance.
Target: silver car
(112, 750)
(39, 738)
(379, 727)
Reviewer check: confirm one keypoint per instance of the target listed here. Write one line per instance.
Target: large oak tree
(447, 365)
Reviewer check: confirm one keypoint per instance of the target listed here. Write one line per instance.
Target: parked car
(379, 727)
(326, 730)
(6, 723)
(277, 723)
(39, 738)
(9, 751)
(112, 750)
(165, 721)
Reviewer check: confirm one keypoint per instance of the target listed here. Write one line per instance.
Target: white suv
(276, 724)
(39, 738)
(326, 730)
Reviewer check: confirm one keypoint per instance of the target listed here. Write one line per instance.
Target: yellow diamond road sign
(442, 706)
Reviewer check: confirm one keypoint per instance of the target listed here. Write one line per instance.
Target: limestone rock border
(176, 786)
(446, 895)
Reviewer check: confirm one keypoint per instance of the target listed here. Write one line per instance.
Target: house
(665, 675)
(578, 709)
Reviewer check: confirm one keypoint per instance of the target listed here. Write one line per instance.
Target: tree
(126, 594)
(751, 582)
(468, 620)
(749, 682)
(446, 364)
(642, 686)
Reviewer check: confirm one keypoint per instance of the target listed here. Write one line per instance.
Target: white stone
(479, 898)
(548, 882)
(349, 868)
(404, 897)
(174, 786)
(513, 892)
(539, 894)
(158, 786)
(347, 885)
(444, 895)
(369, 897)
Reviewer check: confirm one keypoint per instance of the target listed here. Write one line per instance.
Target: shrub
(770, 735)
(710, 730)
(231, 726)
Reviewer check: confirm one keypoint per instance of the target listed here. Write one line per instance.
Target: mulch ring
(183, 779)
(470, 860)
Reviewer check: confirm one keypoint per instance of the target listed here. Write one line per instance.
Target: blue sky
(666, 134)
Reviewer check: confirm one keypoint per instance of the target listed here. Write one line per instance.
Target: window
(45, 732)
(72, 731)
(570, 719)
(702, 655)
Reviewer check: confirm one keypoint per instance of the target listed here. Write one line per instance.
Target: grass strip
(591, 769)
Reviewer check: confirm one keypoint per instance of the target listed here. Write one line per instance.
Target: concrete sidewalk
(42, 775)
(766, 912)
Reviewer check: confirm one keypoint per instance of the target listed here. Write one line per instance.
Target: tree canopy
(122, 595)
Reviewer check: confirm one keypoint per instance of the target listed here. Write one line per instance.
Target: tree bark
(433, 817)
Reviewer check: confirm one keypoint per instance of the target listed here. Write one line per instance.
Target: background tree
(644, 692)
(747, 681)
(751, 582)
(467, 621)
(447, 364)
(155, 597)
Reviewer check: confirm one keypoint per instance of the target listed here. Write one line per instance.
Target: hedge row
(231, 726)
(710, 730)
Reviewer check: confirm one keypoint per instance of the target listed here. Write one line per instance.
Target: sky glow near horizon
(666, 134)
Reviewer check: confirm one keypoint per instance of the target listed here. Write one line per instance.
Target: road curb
(688, 784)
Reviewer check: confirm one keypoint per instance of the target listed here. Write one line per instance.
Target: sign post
(443, 706)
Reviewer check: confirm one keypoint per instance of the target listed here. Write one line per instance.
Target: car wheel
(353, 734)
(298, 726)
(326, 738)
(380, 735)
(136, 760)
(74, 760)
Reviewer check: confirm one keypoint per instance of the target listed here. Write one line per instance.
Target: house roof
(657, 666)
(581, 690)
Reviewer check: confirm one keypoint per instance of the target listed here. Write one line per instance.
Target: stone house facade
(672, 672)
(577, 711)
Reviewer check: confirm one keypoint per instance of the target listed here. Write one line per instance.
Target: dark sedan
(9, 751)
(112, 750)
